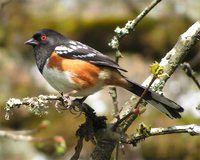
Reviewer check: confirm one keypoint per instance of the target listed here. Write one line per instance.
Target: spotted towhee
(79, 70)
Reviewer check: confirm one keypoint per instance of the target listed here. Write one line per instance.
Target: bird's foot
(71, 105)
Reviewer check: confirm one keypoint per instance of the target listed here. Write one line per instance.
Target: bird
(75, 69)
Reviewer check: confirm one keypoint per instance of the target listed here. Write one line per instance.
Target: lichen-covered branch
(130, 26)
(170, 62)
(107, 139)
(174, 57)
(192, 129)
(35, 105)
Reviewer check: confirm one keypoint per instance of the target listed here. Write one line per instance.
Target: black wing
(77, 50)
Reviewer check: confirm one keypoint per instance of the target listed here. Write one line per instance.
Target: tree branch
(26, 135)
(130, 26)
(190, 73)
(35, 105)
(192, 129)
(170, 63)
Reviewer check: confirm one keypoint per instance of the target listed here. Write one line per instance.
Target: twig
(192, 129)
(116, 155)
(113, 94)
(25, 134)
(130, 26)
(20, 137)
(121, 32)
(35, 105)
(190, 73)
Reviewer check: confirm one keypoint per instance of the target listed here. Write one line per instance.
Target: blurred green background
(93, 23)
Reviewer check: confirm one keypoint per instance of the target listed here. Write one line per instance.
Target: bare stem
(190, 73)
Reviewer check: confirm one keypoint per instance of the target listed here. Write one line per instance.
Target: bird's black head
(45, 37)
(44, 42)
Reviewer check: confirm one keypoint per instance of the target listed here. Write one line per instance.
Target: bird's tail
(161, 103)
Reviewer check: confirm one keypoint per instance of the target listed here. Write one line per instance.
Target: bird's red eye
(43, 38)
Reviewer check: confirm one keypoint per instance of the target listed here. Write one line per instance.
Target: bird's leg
(70, 104)
(65, 97)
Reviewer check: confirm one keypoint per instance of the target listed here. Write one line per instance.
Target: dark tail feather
(163, 104)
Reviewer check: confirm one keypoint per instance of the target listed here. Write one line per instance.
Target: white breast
(62, 82)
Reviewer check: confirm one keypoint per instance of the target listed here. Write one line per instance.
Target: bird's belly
(62, 82)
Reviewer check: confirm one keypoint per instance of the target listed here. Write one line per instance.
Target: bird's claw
(70, 104)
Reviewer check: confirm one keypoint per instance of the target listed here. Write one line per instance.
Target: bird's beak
(31, 42)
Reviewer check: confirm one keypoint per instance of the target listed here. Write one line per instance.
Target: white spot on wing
(70, 50)
(64, 50)
(85, 55)
(72, 42)
(73, 47)
(91, 55)
(61, 48)
(79, 44)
